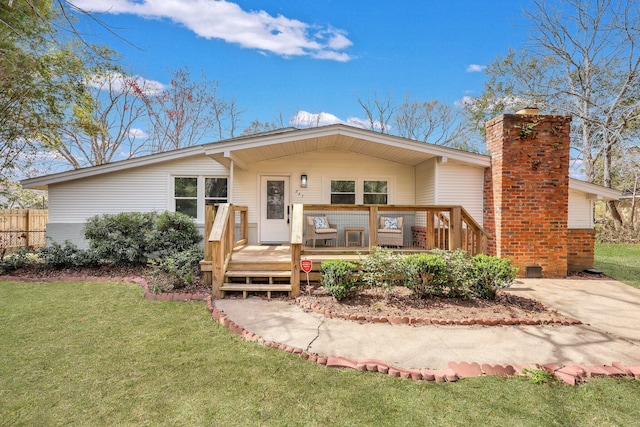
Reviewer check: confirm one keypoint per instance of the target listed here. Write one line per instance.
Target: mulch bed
(368, 304)
(373, 303)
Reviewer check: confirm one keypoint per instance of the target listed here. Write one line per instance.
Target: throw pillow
(391, 223)
(320, 222)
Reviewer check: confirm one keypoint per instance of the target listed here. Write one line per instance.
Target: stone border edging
(405, 320)
(569, 374)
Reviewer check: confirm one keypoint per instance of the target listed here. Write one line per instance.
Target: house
(518, 202)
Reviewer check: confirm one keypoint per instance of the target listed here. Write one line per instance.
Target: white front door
(275, 210)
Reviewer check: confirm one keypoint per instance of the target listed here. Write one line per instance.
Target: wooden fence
(22, 228)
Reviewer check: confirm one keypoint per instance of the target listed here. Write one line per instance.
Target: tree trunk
(612, 204)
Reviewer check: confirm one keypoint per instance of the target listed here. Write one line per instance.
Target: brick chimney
(526, 194)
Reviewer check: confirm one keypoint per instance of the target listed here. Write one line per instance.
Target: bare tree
(583, 60)
(431, 121)
(188, 113)
(379, 112)
(101, 124)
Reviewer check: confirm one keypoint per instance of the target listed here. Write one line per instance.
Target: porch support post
(206, 264)
(295, 269)
(481, 242)
(218, 268)
(219, 242)
(373, 226)
(431, 229)
(297, 221)
(455, 228)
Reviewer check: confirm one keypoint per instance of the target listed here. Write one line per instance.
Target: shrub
(123, 238)
(608, 233)
(338, 278)
(425, 274)
(22, 257)
(174, 231)
(490, 274)
(381, 268)
(181, 267)
(129, 238)
(459, 273)
(67, 256)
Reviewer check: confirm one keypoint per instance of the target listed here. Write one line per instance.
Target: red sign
(306, 265)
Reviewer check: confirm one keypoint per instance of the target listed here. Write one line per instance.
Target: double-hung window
(351, 192)
(192, 193)
(375, 193)
(186, 195)
(343, 192)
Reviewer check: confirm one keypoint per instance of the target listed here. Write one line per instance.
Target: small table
(359, 230)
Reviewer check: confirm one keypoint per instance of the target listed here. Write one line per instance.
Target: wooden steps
(256, 287)
(257, 276)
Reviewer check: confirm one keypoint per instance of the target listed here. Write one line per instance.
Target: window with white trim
(186, 195)
(375, 193)
(343, 192)
(351, 192)
(192, 193)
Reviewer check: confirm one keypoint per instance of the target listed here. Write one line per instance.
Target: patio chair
(390, 231)
(319, 228)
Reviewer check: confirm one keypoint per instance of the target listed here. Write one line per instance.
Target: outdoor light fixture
(303, 180)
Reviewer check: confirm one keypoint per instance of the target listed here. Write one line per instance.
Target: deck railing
(420, 227)
(228, 230)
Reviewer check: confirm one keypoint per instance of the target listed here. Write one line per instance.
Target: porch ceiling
(400, 153)
(337, 142)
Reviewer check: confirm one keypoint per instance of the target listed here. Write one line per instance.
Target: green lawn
(99, 354)
(619, 261)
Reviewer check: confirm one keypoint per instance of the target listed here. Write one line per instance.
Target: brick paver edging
(569, 374)
(399, 320)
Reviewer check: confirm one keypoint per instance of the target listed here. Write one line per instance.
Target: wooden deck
(231, 264)
(267, 268)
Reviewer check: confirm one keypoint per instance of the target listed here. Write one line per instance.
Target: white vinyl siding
(458, 184)
(321, 167)
(142, 189)
(426, 183)
(580, 210)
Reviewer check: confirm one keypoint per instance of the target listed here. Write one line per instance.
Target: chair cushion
(390, 223)
(326, 230)
(320, 222)
(389, 230)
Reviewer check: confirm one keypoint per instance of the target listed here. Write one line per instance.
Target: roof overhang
(243, 151)
(594, 191)
(42, 182)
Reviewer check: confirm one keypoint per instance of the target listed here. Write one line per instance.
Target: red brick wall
(580, 248)
(527, 189)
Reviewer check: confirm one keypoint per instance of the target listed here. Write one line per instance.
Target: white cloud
(475, 68)
(305, 119)
(118, 81)
(229, 22)
(135, 133)
(464, 101)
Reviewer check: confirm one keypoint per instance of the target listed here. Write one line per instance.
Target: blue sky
(280, 56)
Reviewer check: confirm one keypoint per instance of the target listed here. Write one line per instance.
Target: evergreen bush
(67, 256)
(338, 278)
(130, 238)
(425, 274)
(490, 274)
